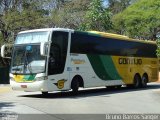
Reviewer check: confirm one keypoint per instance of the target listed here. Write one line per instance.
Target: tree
(140, 20)
(97, 17)
(158, 44)
(17, 15)
(70, 14)
(117, 6)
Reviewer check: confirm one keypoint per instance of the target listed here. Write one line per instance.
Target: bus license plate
(23, 86)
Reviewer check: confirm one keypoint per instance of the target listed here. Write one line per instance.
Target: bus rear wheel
(144, 81)
(137, 81)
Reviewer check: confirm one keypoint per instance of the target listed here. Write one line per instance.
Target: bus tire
(144, 80)
(118, 86)
(45, 93)
(137, 81)
(129, 85)
(110, 87)
(75, 86)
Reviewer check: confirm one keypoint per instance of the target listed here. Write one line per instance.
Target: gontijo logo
(60, 83)
(133, 61)
(77, 61)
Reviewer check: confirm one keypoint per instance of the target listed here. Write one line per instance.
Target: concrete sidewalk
(5, 88)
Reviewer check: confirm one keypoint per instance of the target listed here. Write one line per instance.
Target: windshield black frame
(21, 68)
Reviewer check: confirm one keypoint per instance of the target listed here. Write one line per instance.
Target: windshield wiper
(30, 68)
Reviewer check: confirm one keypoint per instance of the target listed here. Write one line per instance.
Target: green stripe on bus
(110, 67)
(29, 77)
(104, 67)
(98, 67)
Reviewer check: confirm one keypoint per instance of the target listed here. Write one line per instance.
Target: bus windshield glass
(26, 59)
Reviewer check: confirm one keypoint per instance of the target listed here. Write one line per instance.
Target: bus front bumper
(31, 87)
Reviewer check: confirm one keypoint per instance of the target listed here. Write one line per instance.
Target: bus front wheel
(44, 93)
(75, 86)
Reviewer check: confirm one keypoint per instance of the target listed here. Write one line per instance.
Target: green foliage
(18, 15)
(1, 38)
(140, 20)
(97, 17)
(158, 44)
(70, 14)
(117, 6)
(21, 15)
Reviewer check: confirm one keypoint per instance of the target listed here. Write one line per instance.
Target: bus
(59, 59)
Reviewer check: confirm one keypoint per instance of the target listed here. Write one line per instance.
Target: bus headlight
(41, 78)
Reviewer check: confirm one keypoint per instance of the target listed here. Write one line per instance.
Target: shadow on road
(103, 92)
(6, 105)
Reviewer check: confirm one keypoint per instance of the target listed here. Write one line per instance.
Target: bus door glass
(58, 52)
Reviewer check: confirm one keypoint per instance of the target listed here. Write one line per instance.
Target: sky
(105, 3)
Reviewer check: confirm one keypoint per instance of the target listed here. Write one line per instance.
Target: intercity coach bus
(58, 59)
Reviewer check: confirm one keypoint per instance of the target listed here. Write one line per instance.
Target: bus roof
(121, 37)
(103, 34)
(46, 29)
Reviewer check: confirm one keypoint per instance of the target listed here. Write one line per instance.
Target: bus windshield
(26, 59)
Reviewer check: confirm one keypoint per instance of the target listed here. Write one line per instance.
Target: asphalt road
(89, 104)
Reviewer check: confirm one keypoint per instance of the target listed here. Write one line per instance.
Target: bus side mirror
(44, 48)
(6, 51)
